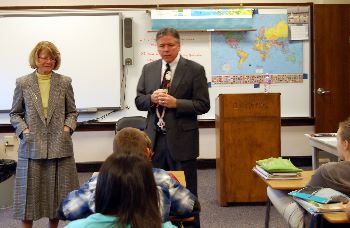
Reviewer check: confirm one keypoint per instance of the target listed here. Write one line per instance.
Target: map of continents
(268, 49)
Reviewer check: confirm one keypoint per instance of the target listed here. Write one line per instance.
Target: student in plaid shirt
(174, 198)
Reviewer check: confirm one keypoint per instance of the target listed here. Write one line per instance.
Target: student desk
(179, 175)
(290, 184)
(327, 144)
(334, 218)
(285, 185)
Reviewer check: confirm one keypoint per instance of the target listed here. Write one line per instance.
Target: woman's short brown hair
(51, 48)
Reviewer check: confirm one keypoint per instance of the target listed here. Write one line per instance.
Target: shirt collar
(173, 64)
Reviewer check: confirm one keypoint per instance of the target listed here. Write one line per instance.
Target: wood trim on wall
(157, 6)
(110, 126)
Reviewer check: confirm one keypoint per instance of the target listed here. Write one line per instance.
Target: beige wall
(96, 146)
(150, 2)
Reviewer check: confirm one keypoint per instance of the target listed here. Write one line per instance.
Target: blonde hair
(344, 129)
(131, 141)
(52, 50)
(148, 140)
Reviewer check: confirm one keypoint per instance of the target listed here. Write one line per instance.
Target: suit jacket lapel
(178, 75)
(54, 94)
(158, 79)
(35, 93)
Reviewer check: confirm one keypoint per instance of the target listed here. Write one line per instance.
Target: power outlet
(9, 140)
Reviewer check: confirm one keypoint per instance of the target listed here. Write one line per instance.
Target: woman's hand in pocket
(66, 128)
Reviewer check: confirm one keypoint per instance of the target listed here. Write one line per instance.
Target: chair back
(138, 122)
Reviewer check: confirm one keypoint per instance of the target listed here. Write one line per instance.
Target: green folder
(278, 165)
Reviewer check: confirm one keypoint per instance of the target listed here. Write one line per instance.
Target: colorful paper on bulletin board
(202, 19)
(255, 79)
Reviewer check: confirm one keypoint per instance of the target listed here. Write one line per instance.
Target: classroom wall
(96, 146)
(152, 2)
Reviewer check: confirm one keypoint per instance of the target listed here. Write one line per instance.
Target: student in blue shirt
(126, 195)
(173, 197)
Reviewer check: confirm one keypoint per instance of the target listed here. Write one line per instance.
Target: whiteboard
(90, 47)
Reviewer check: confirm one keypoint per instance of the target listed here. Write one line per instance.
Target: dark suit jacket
(189, 86)
(46, 138)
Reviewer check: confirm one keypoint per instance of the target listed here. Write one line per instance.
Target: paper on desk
(332, 143)
(329, 140)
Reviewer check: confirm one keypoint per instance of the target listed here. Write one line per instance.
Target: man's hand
(167, 100)
(161, 97)
(155, 95)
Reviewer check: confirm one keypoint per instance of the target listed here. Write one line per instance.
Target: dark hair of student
(126, 188)
(168, 32)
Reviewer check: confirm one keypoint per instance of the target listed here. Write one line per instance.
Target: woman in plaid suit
(44, 116)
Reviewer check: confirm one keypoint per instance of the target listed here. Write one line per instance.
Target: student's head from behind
(126, 188)
(343, 139)
(132, 141)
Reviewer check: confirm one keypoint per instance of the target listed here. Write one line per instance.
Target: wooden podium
(248, 128)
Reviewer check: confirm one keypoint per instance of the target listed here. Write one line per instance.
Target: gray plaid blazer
(46, 138)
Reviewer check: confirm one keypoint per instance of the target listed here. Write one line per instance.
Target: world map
(266, 50)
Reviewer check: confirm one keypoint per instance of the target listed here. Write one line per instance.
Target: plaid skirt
(40, 186)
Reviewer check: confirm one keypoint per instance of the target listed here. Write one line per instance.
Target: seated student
(333, 175)
(174, 198)
(126, 195)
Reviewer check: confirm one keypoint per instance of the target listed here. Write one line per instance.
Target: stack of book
(320, 200)
(314, 208)
(277, 169)
(276, 175)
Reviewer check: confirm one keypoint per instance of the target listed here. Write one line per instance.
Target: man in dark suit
(174, 91)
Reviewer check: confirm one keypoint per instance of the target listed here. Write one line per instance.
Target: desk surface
(290, 184)
(323, 142)
(179, 175)
(339, 217)
(328, 144)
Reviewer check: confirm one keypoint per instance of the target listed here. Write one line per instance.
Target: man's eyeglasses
(47, 59)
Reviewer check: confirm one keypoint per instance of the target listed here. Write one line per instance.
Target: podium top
(249, 105)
